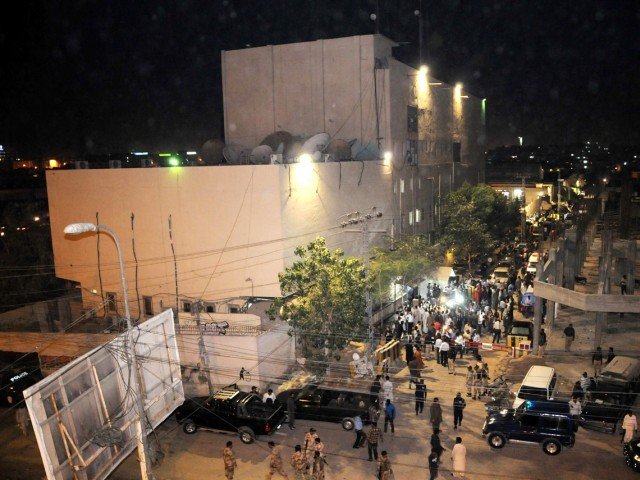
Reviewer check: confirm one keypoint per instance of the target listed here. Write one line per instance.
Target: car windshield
(532, 393)
(519, 331)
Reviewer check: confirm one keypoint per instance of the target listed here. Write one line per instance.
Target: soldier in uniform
(299, 463)
(384, 467)
(309, 442)
(318, 447)
(230, 463)
(275, 462)
(318, 466)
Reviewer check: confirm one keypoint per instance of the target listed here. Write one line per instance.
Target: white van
(539, 384)
(532, 264)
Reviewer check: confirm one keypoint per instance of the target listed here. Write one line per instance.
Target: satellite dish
(236, 154)
(339, 150)
(277, 140)
(317, 143)
(355, 357)
(211, 151)
(261, 155)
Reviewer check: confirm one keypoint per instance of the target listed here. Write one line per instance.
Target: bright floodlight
(305, 158)
(424, 69)
(78, 228)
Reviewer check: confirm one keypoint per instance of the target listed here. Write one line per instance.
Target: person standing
(387, 390)
(435, 414)
(575, 408)
(569, 337)
(470, 380)
(309, 442)
(275, 462)
(384, 466)
(458, 407)
(389, 416)
(444, 352)
(358, 427)
(229, 460)
(291, 411)
(497, 331)
(542, 342)
(629, 426)
(610, 355)
(317, 472)
(623, 285)
(436, 345)
(318, 447)
(374, 390)
(459, 458)
(269, 397)
(421, 396)
(373, 437)
(596, 360)
(299, 463)
(432, 460)
(451, 361)
(436, 444)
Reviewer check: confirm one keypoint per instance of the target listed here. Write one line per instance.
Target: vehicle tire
(496, 440)
(551, 447)
(246, 435)
(348, 423)
(190, 428)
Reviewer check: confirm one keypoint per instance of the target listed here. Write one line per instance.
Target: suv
(548, 424)
(231, 411)
(328, 404)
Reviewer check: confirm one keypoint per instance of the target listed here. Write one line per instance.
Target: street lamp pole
(249, 279)
(141, 430)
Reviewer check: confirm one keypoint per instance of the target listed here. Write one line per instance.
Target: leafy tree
(409, 258)
(474, 217)
(329, 301)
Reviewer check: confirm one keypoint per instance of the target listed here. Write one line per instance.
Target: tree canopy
(408, 259)
(474, 217)
(328, 308)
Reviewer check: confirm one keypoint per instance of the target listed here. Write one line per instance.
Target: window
(148, 305)
(411, 217)
(401, 186)
(210, 308)
(418, 215)
(419, 183)
(111, 301)
(411, 184)
(186, 306)
(412, 118)
(455, 148)
(532, 393)
(530, 421)
(550, 423)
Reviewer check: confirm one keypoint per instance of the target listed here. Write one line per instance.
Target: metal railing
(231, 330)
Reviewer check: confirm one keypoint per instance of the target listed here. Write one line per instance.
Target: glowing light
(424, 69)
(143, 153)
(457, 91)
(520, 140)
(164, 154)
(517, 193)
(173, 161)
(36, 219)
(192, 153)
(388, 156)
(53, 163)
(305, 159)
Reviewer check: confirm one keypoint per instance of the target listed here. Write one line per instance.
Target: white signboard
(84, 415)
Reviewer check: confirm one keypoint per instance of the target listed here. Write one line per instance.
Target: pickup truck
(231, 411)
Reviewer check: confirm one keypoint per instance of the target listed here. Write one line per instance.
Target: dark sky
(89, 76)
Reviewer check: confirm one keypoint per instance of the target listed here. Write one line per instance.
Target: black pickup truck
(231, 411)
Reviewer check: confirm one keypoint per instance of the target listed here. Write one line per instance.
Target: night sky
(95, 77)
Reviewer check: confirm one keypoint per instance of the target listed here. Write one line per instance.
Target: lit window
(418, 215)
(401, 186)
(411, 217)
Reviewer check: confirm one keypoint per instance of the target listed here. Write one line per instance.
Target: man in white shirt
(269, 397)
(444, 353)
(575, 408)
(387, 390)
(437, 346)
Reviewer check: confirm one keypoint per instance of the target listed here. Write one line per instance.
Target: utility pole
(355, 218)
(523, 216)
(202, 349)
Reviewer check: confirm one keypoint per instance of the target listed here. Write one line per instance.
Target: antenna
(316, 145)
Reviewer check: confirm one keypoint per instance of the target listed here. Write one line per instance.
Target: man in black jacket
(436, 446)
(421, 395)
(458, 406)
(569, 337)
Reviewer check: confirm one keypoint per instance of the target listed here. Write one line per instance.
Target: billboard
(84, 415)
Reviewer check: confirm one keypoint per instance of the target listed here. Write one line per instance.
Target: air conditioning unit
(115, 164)
(146, 162)
(82, 164)
(276, 158)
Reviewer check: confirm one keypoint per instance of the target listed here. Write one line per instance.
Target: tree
(328, 308)
(474, 217)
(410, 259)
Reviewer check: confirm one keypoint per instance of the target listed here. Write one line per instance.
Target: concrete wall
(267, 357)
(228, 224)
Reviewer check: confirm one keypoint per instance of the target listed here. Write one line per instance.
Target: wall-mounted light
(388, 156)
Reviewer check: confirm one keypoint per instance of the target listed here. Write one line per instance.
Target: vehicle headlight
(636, 458)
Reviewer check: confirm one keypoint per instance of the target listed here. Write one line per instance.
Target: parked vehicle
(539, 384)
(232, 411)
(328, 404)
(548, 424)
(631, 453)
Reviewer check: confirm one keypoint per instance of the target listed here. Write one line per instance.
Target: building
(354, 89)
(218, 233)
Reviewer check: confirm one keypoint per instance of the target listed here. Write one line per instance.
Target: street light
(249, 279)
(143, 444)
